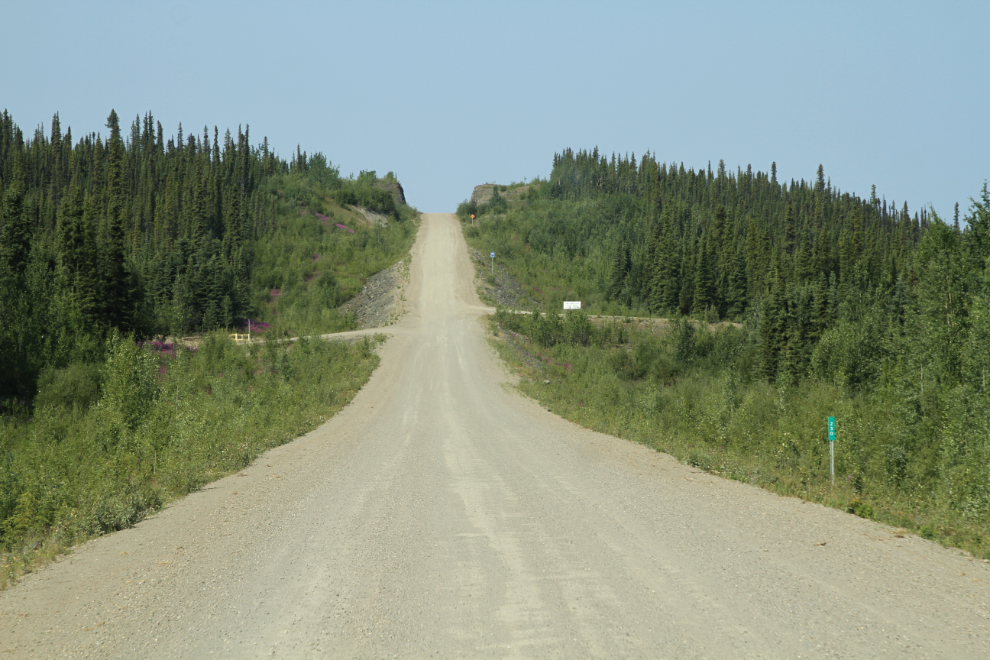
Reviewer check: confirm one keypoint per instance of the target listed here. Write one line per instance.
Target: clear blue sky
(452, 94)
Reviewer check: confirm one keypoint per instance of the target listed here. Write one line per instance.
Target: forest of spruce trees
(135, 233)
(809, 266)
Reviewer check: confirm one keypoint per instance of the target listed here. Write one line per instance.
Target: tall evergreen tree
(704, 275)
(114, 277)
(78, 259)
(737, 288)
(621, 264)
(773, 328)
(15, 235)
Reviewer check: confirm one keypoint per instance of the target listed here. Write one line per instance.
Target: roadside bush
(74, 388)
(367, 196)
(578, 329)
(466, 209)
(849, 353)
(130, 385)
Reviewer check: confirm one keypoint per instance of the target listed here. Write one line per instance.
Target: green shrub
(130, 382)
(860, 508)
(465, 210)
(75, 387)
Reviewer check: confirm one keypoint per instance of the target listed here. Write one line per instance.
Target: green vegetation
(109, 443)
(843, 307)
(319, 254)
(159, 238)
(105, 246)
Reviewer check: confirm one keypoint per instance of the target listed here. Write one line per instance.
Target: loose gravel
(379, 302)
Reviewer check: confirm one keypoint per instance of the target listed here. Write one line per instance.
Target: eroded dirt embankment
(380, 301)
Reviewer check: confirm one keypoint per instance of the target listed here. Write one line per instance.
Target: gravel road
(441, 514)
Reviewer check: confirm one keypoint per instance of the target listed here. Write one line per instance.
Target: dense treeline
(842, 306)
(138, 233)
(810, 267)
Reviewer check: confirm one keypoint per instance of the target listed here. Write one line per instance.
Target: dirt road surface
(443, 515)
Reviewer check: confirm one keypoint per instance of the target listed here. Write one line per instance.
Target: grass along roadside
(681, 393)
(109, 444)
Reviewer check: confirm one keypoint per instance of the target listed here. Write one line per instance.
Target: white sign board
(493, 255)
(572, 304)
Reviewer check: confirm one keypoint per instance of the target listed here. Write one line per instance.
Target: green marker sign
(831, 446)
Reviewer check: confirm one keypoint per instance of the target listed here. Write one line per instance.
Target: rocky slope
(380, 301)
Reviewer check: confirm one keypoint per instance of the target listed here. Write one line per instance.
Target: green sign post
(831, 445)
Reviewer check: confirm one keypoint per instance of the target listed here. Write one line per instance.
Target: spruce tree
(655, 285)
(772, 328)
(737, 288)
(620, 268)
(689, 259)
(804, 262)
(116, 301)
(977, 237)
(704, 276)
(819, 313)
(15, 235)
(78, 272)
(670, 271)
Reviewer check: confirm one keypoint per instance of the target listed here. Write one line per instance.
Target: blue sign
(831, 429)
(493, 255)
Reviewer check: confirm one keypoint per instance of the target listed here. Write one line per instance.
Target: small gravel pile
(378, 302)
(504, 291)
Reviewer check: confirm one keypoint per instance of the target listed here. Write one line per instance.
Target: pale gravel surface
(379, 302)
(443, 515)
